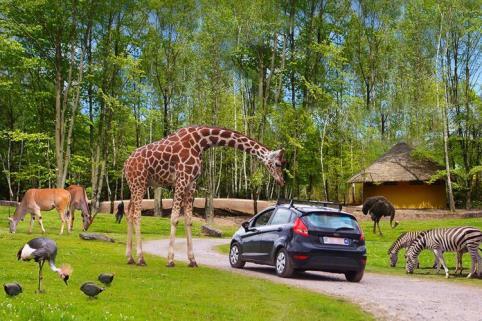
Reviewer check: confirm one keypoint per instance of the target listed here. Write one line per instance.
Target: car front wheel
(354, 276)
(235, 256)
(283, 264)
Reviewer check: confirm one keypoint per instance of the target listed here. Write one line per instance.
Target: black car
(302, 236)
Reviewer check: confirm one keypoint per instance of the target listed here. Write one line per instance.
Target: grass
(153, 292)
(377, 247)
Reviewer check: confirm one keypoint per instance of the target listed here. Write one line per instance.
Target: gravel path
(386, 297)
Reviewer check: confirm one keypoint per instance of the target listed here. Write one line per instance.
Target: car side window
(263, 219)
(282, 216)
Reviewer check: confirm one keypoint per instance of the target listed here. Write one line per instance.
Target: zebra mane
(396, 242)
(419, 243)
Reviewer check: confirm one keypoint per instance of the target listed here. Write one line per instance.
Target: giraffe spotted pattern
(175, 161)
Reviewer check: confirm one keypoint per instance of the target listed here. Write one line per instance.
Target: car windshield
(330, 221)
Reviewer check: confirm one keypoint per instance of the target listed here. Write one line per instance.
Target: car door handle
(279, 229)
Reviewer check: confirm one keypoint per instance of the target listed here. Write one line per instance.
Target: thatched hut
(403, 180)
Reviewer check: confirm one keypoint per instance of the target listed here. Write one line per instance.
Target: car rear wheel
(354, 276)
(235, 256)
(283, 264)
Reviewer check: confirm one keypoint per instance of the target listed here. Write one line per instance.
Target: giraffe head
(274, 161)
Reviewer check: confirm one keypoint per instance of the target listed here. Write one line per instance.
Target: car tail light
(300, 257)
(300, 228)
(362, 236)
(364, 261)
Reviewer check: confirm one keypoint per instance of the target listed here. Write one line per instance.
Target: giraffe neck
(213, 137)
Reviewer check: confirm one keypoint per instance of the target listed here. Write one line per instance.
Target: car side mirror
(245, 225)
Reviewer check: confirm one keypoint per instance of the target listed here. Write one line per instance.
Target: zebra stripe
(403, 241)
(453, 239)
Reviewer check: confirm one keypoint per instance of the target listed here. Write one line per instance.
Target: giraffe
(175, 161)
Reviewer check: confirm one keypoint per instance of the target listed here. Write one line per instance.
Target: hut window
(390, 183)
(416, 182)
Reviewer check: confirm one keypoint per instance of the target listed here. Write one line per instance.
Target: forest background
(335, 83)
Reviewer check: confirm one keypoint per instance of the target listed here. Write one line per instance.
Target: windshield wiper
(344, 228)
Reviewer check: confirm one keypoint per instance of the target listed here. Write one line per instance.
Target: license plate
(335, 240)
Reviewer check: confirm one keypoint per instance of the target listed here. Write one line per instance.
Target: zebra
(452, 239)
(405, 240)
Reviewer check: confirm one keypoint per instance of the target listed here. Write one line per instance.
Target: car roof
(306, 209)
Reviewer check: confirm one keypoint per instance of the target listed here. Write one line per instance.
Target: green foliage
(335, 84)
(151, 292)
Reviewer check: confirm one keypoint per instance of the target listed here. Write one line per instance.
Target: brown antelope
(36, 200)
(79, 202)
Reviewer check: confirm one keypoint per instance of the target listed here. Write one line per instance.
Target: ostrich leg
(379, 230)
(40, 276)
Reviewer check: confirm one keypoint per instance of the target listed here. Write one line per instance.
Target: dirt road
(386, 297)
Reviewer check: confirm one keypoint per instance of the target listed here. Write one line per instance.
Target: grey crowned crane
(42, 249)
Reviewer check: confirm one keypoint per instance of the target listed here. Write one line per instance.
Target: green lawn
(147, 293)
(377, 247)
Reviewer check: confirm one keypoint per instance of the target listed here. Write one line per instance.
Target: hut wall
(410, 195)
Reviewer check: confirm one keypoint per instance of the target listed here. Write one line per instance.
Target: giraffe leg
(140, 255)
(130, 228)
(176, 209)
(188, 222)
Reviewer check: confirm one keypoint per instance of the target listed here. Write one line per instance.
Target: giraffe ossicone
(175, 161)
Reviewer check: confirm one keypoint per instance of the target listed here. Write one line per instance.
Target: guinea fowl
(377, 207)
(12, 289)
(91, 289)
(106, 278)
(42, 249)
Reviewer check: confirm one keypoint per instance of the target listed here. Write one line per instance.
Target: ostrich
(379, 206)
(42, 249)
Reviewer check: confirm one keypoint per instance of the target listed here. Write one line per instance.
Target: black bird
(377, 207)
(91, 289)
(12, 289)
(42, 249)
(106, 278)
(120, 212)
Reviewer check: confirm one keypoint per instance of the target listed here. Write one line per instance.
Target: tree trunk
(445, 123)
(158, 201)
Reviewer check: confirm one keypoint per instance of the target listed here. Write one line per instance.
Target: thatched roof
(397, 165)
